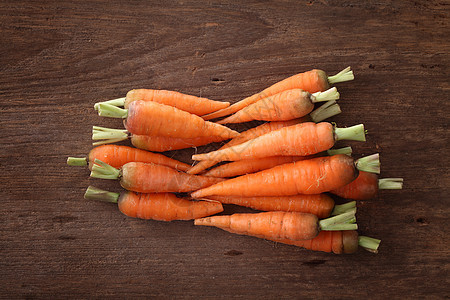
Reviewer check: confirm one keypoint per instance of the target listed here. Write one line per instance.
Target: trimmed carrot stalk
(159, 206)
(311, 81)
(287, 105)
(338, 242)
(366, 186)
(150, 143)
(312, 176)
(320, 205)
(325, 111)
(279, 224)
(155, 119)
(195, 105)
(247, 166)
(116, 156)
(151, 178)
(298, 140)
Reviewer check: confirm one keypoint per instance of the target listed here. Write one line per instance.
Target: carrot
(311, 81)
(116, 156)
(298, 140)
(286, 105)
(312, 176)
(149, 143)
(327, 110)
(247, 166)
(195, 105)
(320, 205)
(366, 186)
(279, 224)
(155, 119)
(160, 206)
(338, 242)
(151, 178)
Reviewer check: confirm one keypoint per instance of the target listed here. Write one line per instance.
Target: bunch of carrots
(285, 169)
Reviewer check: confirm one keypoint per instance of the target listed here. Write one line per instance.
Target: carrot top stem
(108, 135)
(330, 94)
(104, 171)
(353, 133)
(368, 243)
(327, 110)
(345, 150)
(339, 222)
(342, 208)
(114, 102)
(111, 111)
(390, 183)
(93, 193)
(77, 161)
(369, 163)
(344, 75)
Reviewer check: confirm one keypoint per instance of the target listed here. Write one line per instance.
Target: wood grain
(59, 57)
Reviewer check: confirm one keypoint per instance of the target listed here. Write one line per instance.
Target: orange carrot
(160, 206)
(298, 140)
(116, 156)
(247, 166)
(155, 119)
(366, 186)
(327, 110)
(320, 205)
(151, 178)
(312, 176)
(287, 105)
(311, 81)
(149, 143)
(338, 242)
(279, 224)
(192, 104)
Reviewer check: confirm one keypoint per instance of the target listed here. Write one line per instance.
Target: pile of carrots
(284, 169)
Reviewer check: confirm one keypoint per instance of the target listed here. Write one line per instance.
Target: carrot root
(353, 133)
(344, 75)
(327, 110)
(368, 243)
(93, 193)
(104, 171)
(77, 161)
(390, 183)
(369, 163)
(108, 135)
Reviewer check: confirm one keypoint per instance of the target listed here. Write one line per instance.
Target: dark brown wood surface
(58, 58)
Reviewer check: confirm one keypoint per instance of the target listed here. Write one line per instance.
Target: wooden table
(60, 57)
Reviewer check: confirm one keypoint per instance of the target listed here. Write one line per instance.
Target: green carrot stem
(111, 111)
(342, 208)
(108, 135)
(345, 150)
(114, 102)
(77, 161)
(353, 133)
(344, 75)
(368, 243)
(343, 218)
(104, 171)
(328, 95)
(369, 163)
(345, 226)
(390, 183)
(93, 193)
(327, 110)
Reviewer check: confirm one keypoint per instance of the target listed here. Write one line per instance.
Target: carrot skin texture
(364, 187)
(298, 140)
(163, 143)
(152, 178)
(192, 104)
(116, 156)
(320, 205)
(310, 81)
(274, 224)
(165, 207)
(312, 176)
(242, 138)
(155, 119)
(284, 106)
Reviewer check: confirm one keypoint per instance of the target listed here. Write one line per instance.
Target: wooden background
(58, 58)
